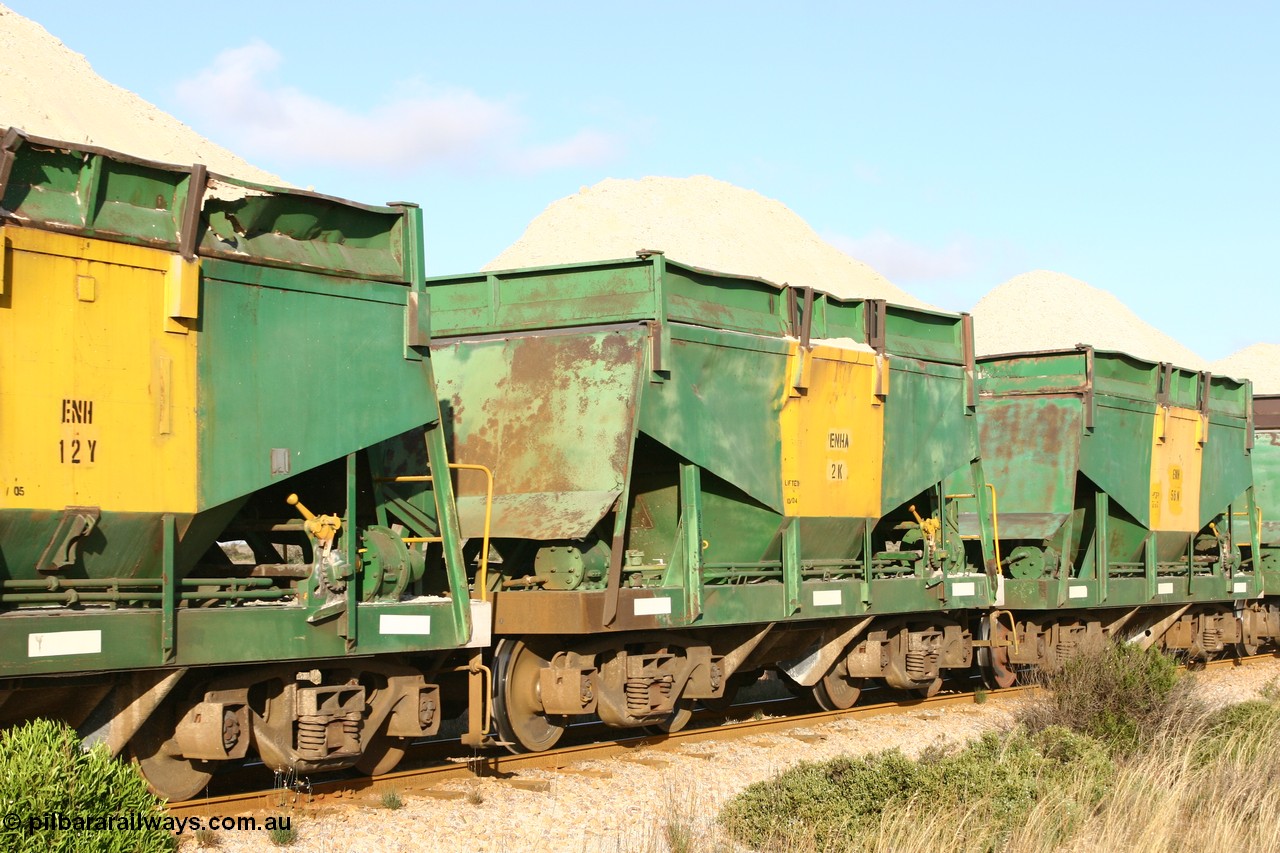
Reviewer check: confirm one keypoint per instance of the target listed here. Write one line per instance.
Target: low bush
(1115, 692)
(834, 804)
(47, 779)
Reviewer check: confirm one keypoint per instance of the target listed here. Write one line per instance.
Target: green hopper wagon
(1118, 480)
(1266, 485)
(697, 475)
(179, 353)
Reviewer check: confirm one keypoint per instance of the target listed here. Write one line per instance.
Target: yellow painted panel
(832, 435)
(97, 401)
(1176, 460)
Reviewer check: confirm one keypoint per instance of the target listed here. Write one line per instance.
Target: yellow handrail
(995, 516)
(1246, 512)
(482, 575)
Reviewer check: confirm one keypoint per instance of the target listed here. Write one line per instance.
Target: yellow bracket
(880, 388)
(482, 574)
(181, 294)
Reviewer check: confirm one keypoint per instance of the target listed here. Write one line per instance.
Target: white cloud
(903, 262)
(417, 126)
(586, 147)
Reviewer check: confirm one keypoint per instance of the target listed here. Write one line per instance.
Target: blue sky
(951, 146)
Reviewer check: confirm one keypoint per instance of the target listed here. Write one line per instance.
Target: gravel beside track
(623, 804)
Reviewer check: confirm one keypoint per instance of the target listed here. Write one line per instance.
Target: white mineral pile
(698, 221)
(46, 89)
(1047, 310)
(1260, 362)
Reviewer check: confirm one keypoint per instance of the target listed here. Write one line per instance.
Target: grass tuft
(206, 838)
(282, 836)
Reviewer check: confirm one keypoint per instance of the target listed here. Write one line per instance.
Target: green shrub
(1243, 733)
(829, 799)
(1116, 692)
(47, 777)
(826, 804)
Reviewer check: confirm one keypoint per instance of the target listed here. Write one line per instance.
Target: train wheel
(169, 777)
(993, 661)
(517, 708)
(381, 755)
(679, 718)
(837, 691)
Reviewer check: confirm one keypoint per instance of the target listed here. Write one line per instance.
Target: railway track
(293, 795)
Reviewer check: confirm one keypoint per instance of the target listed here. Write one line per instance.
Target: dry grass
(1197, 788)
(683, 824)
(1182, 779)
(1172, 797)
